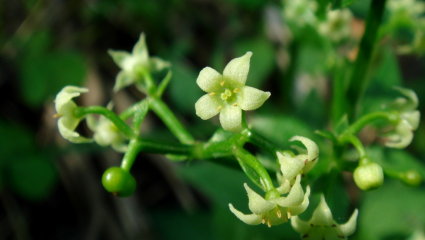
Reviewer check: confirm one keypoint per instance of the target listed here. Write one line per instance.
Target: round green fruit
(119, 182)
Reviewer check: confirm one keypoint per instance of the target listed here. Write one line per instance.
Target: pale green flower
(402, 135)
(132, 64)
(299, 164)
(65, 111)
(227, 93)
(405, 12)
(337, 25)
(106, 133)
(300, 12)
(322, 226)
(274, 210)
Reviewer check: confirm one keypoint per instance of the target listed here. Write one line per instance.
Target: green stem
(348, 138)
(247, 158)
(80, 112)
(170, 120)
(358, 80)
(363, 121)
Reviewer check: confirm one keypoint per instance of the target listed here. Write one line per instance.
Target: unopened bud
(411, 178)
(369, 176)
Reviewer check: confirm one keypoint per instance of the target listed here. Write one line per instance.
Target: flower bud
(411, 178)
(369, 176)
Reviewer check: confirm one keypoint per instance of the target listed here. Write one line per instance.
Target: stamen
(219, 108)
(57, 115)
(305, 162)
(264, 219)
(269, 223)
(236, 90)
(333, 225)
(289, 214)
(212, 94)
(305, 236)
(222, 83)
(279, 214)
(312, 224)
(235, 104)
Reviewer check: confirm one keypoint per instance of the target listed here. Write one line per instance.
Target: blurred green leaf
(394, 209)
(262, 60)
(388, 74)
(341, 125)
(11, 135)
(32, 177)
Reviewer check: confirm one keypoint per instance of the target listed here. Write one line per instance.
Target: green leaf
(383, 210)
(10, 136)
(32, 177)
(326, 134)
(262, 60)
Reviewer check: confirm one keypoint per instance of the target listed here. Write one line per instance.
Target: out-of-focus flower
(322, 226)
(133, 64)
(337, 25)
(300, 12)
(227, 93)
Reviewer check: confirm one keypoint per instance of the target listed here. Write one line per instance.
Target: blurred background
(51, 189)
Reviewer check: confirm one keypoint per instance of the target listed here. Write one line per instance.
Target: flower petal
(303, 206)
(237, 70)
(140, 49)
(257, 204)
(284, 187)
(124, 79)
(208, 106)
(119, 57)
(250, 98)
(63, 98)
(312, 151)
(289, 166)
(350, 227)
(299, 225)
(322, 215)
(402, 136)
(413, 118)
(251, 219)
(231, 118)
(157, 64)
(295, 196)
(209, 80)
(66, 129)
(405, 104)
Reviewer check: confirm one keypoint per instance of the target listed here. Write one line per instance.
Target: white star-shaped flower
(227, 93)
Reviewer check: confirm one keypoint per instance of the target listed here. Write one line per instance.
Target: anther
(289, 214)
(235, 104)
(236, 90)
(222, 83)
(212, 94)
(219, 108)
(333, 225)
(57, 115)
(264, 220)
(312, 224)
(279, 214)
(305, 236)
(269, 223)
(305, 162)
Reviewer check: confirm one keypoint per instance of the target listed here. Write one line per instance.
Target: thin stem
(130, 154)
(247, 158)
(80, 112)
(358, 80)
(363, 121)
(348, 138)
(170, 120)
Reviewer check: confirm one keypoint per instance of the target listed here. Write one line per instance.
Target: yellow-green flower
(322, 226)
(337, 25)
(274, 210)
(227, 93)
(65, 111)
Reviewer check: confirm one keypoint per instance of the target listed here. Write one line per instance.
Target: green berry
(118, 182)
(369, 176)
(411, 178)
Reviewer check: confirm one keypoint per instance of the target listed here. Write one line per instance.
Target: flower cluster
(322, 226)
(227, 93)
(133, 64)
(65, 111)
(405, 12)
(402, 135)
(300, 12)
